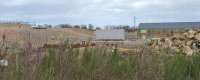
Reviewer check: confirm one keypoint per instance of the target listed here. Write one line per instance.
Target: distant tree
(65, 26)
(83, 26)
(39, 26)
(90, 27)
(126, 28)
(77, 26)
(50, 26)
(47, 26)
(98, 28)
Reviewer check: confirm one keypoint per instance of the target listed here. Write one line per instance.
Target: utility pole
(135, 27)
(134, 21)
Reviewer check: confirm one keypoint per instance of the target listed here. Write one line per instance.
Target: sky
(99, 12)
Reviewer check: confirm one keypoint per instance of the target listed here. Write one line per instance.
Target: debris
(188, 43)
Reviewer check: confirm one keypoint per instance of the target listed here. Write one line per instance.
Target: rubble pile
(187, 43)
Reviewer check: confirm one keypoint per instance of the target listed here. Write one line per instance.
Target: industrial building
(170, 25)
(167, 28)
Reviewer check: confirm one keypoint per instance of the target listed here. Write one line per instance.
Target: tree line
(91, 27)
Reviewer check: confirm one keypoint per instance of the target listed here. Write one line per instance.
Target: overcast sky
(99, 12)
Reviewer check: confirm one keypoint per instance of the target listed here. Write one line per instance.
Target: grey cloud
(101, 12)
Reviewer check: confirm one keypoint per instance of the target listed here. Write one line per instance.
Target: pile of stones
(187, 43)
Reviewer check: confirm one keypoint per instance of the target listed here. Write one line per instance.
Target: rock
(188, 51)
(166, 43)
(175, 49)
(190, 34)
(191, 31)
(189, 43)
(196, 44)
(197, 36)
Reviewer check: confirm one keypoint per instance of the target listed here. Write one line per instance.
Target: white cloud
(145, 4)
(12, 2)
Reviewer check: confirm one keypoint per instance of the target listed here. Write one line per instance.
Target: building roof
(169, 25)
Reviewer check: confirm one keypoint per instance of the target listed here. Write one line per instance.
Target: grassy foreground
(101, 64)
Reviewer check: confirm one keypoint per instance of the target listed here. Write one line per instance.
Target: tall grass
(89, 65)
(102, 64)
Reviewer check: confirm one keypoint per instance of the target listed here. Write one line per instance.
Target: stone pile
(187, 43)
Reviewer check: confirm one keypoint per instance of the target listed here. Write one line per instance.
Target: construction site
(177, 37)
(25, 47)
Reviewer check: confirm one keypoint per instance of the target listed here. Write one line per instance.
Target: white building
(110, 35)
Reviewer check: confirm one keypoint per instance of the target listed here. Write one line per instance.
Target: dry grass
(41, 37)
(101, 64)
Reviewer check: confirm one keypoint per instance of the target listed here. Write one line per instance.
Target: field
(47, 36)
